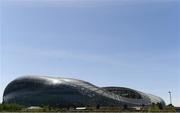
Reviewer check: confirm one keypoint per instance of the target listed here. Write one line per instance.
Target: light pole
(170, 97)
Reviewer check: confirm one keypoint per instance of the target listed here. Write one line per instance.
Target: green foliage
(170, 108)
(10, 107)
(45, 108)
(154, 108)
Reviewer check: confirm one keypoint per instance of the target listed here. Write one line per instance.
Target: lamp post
(170, 97)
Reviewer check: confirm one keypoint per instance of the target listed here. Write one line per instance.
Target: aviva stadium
(68, 92)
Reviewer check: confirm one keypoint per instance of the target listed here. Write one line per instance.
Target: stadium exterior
(66, 92)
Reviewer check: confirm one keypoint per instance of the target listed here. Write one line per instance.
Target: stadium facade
(68, 92)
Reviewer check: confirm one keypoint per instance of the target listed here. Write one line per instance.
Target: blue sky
(125, 43)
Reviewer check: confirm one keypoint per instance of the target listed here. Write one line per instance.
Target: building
(67, 92)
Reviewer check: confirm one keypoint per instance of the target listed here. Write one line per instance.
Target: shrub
(10, 107)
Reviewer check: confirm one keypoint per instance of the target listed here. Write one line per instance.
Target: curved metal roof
(146, 99)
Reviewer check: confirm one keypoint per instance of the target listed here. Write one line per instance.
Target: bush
(170, 108)
(154, 108)
(10, 107)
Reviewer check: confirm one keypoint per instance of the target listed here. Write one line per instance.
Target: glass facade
(37, 91)
(124, 92)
